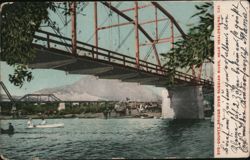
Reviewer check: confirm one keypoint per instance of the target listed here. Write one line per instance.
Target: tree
(197, 47)
(19, 23)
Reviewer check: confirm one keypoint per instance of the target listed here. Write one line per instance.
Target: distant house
(61, 106)
(76, 104)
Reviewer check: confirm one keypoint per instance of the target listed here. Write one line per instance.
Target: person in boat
(29, 123)
(11, 128)
(43, 122)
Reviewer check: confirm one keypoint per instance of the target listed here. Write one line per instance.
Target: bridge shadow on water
(177, 127)
(187, 137)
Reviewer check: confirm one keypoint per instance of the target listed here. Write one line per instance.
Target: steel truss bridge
(76, 57)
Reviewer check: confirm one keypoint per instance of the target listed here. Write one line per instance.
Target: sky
(49, 78)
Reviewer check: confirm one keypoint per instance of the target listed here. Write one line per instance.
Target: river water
(112, 138)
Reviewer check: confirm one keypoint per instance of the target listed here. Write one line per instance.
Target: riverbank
(85, 115)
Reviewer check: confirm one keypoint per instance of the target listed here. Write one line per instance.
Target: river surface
(112, 138)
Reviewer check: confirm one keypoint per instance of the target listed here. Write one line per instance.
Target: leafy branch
(19, 23)
(197, 47)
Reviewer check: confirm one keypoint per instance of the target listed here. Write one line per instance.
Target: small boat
(146, 117)
(3, 158)
(207, 118)
(59, 125)
(6, 131)
(212, 119)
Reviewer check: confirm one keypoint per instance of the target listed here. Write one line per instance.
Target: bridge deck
(101, 62)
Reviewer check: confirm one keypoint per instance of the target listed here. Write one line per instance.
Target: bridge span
(103, 63)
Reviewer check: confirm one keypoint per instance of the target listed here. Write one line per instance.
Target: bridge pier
(187, 102)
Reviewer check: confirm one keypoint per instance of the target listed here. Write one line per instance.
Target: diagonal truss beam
(139, 27)
(166, 13)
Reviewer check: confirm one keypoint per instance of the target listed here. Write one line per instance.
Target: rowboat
(212, 119)
(6, 131)
(59, 125)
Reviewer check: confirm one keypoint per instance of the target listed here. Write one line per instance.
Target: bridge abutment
(187, 102)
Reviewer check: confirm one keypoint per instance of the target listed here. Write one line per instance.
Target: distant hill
(90, 88)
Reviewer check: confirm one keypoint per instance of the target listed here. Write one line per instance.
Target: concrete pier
(187, 102)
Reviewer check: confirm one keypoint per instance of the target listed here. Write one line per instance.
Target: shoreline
(151, 115)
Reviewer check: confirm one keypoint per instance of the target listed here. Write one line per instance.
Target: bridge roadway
(54, 52)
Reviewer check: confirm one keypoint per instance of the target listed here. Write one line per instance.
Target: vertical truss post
(137, 49)
(156, 24)
(73, 26)
(200, 70)
(193, 71)
(96, 26)
(156, 35)
(172, 34)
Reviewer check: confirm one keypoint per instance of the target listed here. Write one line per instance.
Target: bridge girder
(142, 80)
(157, 82)
(53, 64)
(92, 71)
(119, 76)
(109, 69)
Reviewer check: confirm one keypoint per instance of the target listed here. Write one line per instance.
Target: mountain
(71, 96)
(91, 88)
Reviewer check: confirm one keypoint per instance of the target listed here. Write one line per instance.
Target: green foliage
(29, 108)
(197, 47)
(20, 75)
(19, 22)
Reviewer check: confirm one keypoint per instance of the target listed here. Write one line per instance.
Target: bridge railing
(54, 41)
(84, 49)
